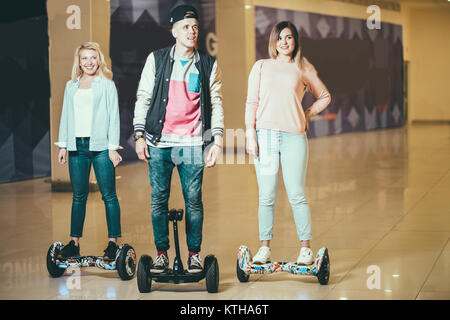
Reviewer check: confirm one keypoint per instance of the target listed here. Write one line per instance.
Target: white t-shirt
(83, 105)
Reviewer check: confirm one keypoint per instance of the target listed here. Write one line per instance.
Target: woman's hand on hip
(115, 157)
(307, 118)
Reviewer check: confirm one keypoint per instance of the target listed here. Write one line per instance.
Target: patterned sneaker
(70, 250)
(305, 257)
(110, 251)
(262, 256)
(161, 263)
(194, 263)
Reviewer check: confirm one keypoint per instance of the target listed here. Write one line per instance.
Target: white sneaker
(305, 257)
(262, 256)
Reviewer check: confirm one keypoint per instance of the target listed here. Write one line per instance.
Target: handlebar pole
(177, 264)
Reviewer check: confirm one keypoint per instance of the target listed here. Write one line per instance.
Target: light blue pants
(292, 151)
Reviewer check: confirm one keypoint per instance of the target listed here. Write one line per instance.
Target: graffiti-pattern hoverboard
(320, 268)
(177, 274)
(125, 262)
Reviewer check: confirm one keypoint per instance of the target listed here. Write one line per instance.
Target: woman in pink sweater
(276, 132)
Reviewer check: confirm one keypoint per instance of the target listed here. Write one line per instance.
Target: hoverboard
(125, 262)
(319, 268)
(177, 274)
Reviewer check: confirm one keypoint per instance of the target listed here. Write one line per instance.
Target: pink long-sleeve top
(275, 93)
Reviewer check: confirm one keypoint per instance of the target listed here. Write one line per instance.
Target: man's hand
(251, 143)
(142, 150)
(213, 155)
(214, 152)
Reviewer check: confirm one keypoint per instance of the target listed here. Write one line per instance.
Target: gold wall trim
(383, 4)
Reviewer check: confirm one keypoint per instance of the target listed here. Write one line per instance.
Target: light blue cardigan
(105, 128)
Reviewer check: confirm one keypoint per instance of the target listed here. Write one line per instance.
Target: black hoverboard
(177, 274)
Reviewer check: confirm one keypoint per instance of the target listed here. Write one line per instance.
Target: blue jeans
(291, 150)
(189, 162)
(80, 162)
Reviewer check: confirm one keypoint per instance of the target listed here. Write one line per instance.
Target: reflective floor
(380, 203)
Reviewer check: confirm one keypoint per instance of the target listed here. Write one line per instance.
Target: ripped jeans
(189, 162)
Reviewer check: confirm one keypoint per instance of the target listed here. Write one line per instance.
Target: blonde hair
(102, 70)
(297, 54)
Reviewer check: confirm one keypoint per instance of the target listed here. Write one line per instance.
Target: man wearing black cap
(178, 114)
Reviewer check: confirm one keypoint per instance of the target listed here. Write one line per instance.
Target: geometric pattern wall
(361, 67)
(24, 103)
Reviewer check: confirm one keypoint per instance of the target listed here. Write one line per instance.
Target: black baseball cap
(181, 12)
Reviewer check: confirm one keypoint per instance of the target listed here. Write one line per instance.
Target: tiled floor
(380, 201)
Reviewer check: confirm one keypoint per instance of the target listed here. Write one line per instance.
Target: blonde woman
(276, 132)
(89, 135)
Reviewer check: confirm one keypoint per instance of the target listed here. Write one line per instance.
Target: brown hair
(297, 54)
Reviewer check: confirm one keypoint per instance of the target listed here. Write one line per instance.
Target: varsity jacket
(153, 91)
